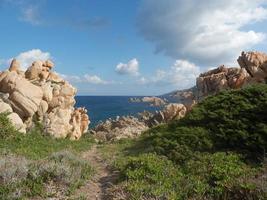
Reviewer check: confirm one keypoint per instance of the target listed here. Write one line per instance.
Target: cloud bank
(207, 32)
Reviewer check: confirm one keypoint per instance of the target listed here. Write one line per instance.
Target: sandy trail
(104, 178)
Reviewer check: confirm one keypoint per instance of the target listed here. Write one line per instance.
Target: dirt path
(104, 178)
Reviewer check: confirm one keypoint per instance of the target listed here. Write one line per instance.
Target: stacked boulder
(253, 69)
(40, 93)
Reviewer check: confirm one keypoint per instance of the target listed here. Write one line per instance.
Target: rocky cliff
(40, 94)
(253, 69)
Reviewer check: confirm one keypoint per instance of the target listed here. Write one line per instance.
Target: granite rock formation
(253, 69)
(121, 127)
(40, 93)
(131, 127)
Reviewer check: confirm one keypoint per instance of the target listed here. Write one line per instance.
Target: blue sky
(131, 47)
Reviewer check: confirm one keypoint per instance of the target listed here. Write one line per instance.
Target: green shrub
(234, 120)
(221, 176)
(150, 176)
(6, 128)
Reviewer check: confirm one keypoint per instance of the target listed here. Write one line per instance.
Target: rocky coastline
(40, 94)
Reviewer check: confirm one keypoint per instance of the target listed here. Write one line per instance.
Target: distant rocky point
(153, 101)
(40, 94)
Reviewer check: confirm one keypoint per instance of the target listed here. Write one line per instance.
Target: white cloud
(181, 74)
(207, 32)
(71, 78)
(94, 79)
(131, 68)
(30, 14)
(28, 57)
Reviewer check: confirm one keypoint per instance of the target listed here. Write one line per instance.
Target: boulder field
(39, 94)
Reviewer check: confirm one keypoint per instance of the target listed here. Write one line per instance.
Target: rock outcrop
(121, 127)
(253, 69)
(41, 93)
(255, 64)
(131, 127)
(153, 101)
(221, 78)
(173, 111)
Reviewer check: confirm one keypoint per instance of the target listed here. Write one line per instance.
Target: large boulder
(13, 117)
(173, 111)
(17, 122)
(255, 63)
(221, 78)
(24, 96)
(42, 93)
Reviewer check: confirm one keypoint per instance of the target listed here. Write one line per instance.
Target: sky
(131, 47)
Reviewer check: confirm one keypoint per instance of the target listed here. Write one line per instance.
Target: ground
(98, 187)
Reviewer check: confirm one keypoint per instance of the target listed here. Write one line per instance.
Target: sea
(101, 108)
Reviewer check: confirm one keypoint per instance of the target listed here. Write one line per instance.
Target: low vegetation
(215, 152)
(36, 165)
(56, 176)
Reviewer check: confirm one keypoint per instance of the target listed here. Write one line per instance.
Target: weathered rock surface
(42, 93)
(253, 69)
(170, 112)
(131, 127)
(256, 65)
(221, 78)
(122, 127)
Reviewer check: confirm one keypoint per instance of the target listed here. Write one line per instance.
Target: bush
(221, 176)
(21, 178)
(150, 176)
(206, 176)
(233, 120)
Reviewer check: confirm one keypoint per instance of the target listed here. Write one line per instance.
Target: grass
(35, 145)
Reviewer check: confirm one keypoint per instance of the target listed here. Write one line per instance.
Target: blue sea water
(101, 108)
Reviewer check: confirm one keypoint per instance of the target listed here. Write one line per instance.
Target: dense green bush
(211, 176)
(232, 120)
(150, 176)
